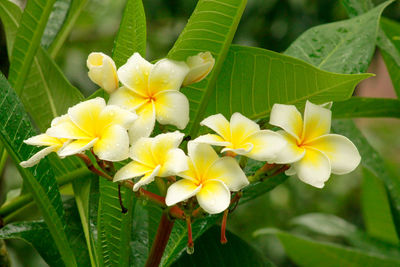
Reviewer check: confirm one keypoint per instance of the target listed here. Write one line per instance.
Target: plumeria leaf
(15, 127)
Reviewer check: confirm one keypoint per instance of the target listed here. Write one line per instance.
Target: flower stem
(223, 227)
(160, 242)
(190, 243)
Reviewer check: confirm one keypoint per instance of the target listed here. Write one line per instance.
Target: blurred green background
(270, 24)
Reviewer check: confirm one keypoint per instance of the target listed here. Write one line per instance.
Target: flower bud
(200, 65)
(102, 71)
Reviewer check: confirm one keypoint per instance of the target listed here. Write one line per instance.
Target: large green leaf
(307, 252)
(131, 36)
(356, 7)
(27, 41)
(334, 46)
(56, 20)
(209, 252)
(15, 127)
(376, 209)
(253, 80)
(210, 28)
(358, 107)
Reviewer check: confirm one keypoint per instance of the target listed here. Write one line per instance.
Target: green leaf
(336, 46)
(131, 35)
(56, 20)
(274, 78)
(209, 252)
(307, 252)
(10, 15)
(358, 107)
(376, 209)
(210, 28)
(15, 127)
(371, 160)
(113, 226)
(356, 7)
(27, 41)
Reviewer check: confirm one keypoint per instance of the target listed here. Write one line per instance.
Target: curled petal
(113, 144)
(219, 124)
(102, 71)
(127, 99)
(266, 145)
(214, 197)
(180, 191)
(67, 129)
(76, 147)
(291, 152)
(38, 156)
(144, 125)
(212, 139)
(172, 107)
(200, 66)
(43, 140)
(148, 178)
(163, 143)
(132, 170)
(317, 121)
(243, 150)
(241, 127)
(176, 162)
(288, 118)
(227, 170)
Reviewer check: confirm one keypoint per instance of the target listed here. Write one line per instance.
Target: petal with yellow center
(212, 139)
(180, 191)
(76, 147)
(166, 75)
(291, 152)
(144, 125)
(203, 156)
(241, 127)
(163, 143)
(172, 107)
(60, 119)
(38, 156)
(102, 71)
(134, 74)
(112, 115)
(132, 170)
(214, 197)
(86, 114)
(317, 122)
(219, 124)
(288, 118)
(314, 168)
(228, 171)
(175, 162)
(266, 145)
(43, 140)
(142, 151)
(113, 144)
(147, 178)
(67, 129)
(127, 99)
(190, 173)
(342, 153)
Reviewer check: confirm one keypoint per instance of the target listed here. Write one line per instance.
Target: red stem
(190, 243)
(223, 227)
(160, 241)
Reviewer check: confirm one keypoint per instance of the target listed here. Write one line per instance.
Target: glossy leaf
(334, 46)
(209, 252)
(360, 107)
(27, 41)
(307, 252)
(210, 28)
(56, 20)
(275, 78)
(15, 127)
(356, 7)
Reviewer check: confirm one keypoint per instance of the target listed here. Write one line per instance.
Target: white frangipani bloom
(157, 156)
(242, 136)
(312, 151)
(53, 145)
(209, 178)
(200, 66)
(102, 71)
(153, 92)
(93, 124)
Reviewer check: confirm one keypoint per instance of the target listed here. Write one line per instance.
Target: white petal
(85, 114)
(228, 171)
(176, 162)
(200, 66)
(342, 153)
(127, 99)
(214, 197)
(172, 107)
(219, 124)
(288, 118)
(60, 119)
(266, 145)
(76, 147)
(43, 140)
(190, 173)
(67, 129)
(202, 156)
(180, 191)
(167, 75)
(131, 170)
(317, 121)
(102, 71)
(142, 151)
(135, 74)
(241, 127)
(244, 150)
(291, 171)
(113, 145)
(291, 152)
(148, 178)
(112, 115)
(314, 168)
(212, 139)
(144, 125)
(38, 156)
(162, 144)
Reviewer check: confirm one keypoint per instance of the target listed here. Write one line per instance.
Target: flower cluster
(151, 92)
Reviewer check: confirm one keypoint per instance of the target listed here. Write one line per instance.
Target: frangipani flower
(242, 136)
(53, 145)
(93, 124)
(209, 178)
(200, 66)
(157, 156)
(102, 71)
(313, 152)
(153, 92)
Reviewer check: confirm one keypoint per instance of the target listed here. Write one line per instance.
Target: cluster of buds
(122, 128)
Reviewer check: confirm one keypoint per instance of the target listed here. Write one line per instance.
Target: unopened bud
(200, 66)
(102, 71)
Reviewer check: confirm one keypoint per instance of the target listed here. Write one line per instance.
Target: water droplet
(190, 250)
